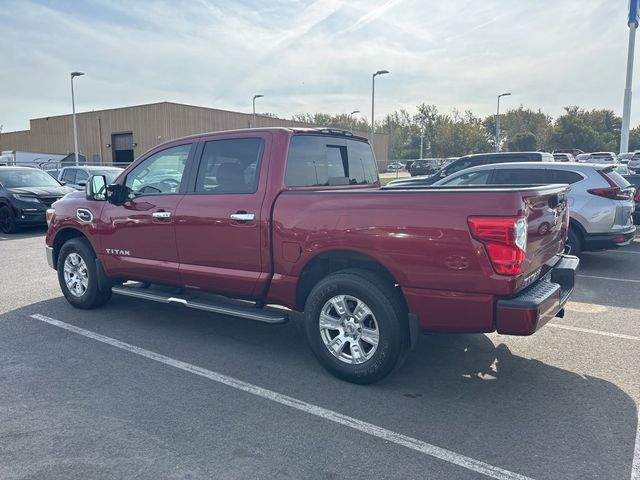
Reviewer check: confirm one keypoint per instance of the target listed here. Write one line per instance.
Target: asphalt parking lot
(141, 390)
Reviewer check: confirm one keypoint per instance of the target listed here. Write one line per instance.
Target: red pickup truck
(297, 218)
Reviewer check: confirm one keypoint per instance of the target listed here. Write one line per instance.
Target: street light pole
(75, 126)
(626, 107)
(351, 118)
(421, 140)
(253, 121)
(373, 97)
(498, 121)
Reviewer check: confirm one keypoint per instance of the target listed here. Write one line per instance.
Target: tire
(575, 241)
(79, 283)
(349, 351)
(7, 220)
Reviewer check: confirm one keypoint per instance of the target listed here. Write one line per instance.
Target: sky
(308, 56)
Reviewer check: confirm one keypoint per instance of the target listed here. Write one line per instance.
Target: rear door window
(316, 161)
(471, 178)
(564, 176)
(521, 176)
(230, 166)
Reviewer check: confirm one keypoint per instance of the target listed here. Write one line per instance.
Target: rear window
(317, 161)
(616, 177)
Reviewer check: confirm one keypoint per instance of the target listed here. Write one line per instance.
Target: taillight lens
(638, 196)
(505, 239)
(614, 193)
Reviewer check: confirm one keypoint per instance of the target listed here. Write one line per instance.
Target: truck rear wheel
(356, 325)
(78, 275)
(574, 241)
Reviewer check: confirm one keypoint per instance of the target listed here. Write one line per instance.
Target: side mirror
(443, 173)
(62, 182)
(82, 183)
(96, 188)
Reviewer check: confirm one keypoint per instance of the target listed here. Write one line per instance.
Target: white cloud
(308, 56)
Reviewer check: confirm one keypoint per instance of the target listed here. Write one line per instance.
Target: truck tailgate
(547, 215)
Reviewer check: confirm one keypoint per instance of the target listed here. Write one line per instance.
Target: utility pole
(632, 23)
(498, 121)
(73, 107)
(373, 100)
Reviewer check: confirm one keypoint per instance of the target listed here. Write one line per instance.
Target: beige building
(122, 134)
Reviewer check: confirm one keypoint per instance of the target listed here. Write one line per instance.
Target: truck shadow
(460, 392)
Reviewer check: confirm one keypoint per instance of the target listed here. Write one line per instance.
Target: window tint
(320, 161)
(617, 178)
(472, 178)
(563, 176)
(69, 175)
(230, 166)
(521, 176)
(459, 165)
(160, 174)
(81, 176)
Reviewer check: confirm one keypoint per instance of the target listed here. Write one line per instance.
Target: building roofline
(152, 104)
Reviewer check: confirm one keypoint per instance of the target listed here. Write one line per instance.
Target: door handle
(161, 215)
(243, 217)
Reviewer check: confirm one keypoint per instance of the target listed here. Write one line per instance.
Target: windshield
(110, 175)
(26, 178)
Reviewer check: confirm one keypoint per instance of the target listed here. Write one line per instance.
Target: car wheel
(7, 220)
(78, 275)
(574, 241)
(356, 325)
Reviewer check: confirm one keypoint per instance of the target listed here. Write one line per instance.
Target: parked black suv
(25, 195)
(424, 167)
(475, 160)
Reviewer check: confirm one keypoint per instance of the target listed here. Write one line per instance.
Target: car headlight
(26, 198)
(50, 213)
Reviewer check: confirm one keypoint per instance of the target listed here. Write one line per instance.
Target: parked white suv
(601, 201)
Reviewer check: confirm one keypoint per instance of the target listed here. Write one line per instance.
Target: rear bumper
(538, 303)
(610, 240)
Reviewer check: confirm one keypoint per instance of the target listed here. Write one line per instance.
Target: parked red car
(296, 217)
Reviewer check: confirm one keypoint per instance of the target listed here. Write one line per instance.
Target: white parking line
(635, 466)
(597, 332)
(623, 251)
(368, 428)
(609, 278)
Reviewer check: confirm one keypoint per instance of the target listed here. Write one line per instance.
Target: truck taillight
(638, 196)
(505, 239)
(614, 193)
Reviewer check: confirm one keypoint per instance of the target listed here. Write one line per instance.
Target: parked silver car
(602, 157)
(76, 177)
(634, 163)
(600, 201)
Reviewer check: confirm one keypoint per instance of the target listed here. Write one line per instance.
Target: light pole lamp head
(258, 96)
(76, 74)
(381, 72)
(504, 94)
(354, 112)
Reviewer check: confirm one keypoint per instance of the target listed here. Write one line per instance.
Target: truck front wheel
(356, 325)
(78, 275)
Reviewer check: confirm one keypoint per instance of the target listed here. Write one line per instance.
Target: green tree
(587, 130)
(522, 142)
